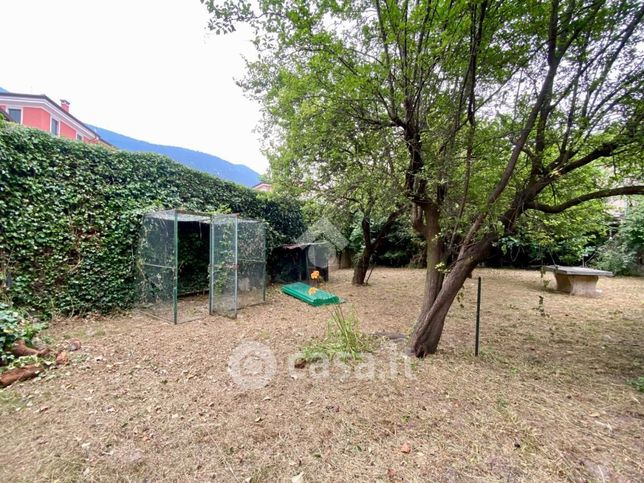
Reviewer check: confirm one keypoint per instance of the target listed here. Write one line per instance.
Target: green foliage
(566, 238)
(358, 177)
(476, 112)
(401, 246)
(193, 261)
(343, 339)
(433, 94)
(638, 383)
(624, 253)
(72, 212)
(14, 327)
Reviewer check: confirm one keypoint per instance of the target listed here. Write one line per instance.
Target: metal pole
(175, 290)
(211, 261)
(478, 318)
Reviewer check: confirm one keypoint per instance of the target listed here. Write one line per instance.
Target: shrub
(71, 216)
(623, 254)
(14, 327)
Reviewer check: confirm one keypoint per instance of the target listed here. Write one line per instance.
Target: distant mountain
(237, 173)
(208, 163)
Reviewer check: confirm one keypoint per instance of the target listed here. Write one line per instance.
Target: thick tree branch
(602, 151)
(605, 193)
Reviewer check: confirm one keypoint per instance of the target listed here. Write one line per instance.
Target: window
(15, 114)
(79, 137)
(54, 127)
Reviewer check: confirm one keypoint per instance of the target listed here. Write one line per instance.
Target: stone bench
(577, 280)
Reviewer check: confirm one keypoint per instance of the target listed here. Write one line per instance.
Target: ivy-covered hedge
(70, 215)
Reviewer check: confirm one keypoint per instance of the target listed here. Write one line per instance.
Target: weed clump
(343, 339)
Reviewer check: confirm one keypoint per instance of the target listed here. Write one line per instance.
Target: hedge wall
(70, 215)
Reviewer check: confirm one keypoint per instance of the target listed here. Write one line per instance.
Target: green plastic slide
(303, 291)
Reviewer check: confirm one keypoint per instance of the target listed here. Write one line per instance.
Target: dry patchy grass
(547, 400)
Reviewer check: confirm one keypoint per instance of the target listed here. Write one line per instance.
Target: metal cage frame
(235, 246)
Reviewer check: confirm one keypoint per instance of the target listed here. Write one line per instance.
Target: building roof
(300, 246)
(62, 111)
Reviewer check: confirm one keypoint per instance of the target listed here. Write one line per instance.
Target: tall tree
(499, 105)
(320, 151)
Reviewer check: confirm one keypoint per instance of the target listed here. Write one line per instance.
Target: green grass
(343, 339)
(638, 383)
(9, 399)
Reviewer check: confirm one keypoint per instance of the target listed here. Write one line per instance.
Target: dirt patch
(547, 400)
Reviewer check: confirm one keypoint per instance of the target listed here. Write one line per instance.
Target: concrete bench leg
(563, 282)
(584, 285)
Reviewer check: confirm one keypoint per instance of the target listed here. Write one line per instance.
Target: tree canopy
(492, 108)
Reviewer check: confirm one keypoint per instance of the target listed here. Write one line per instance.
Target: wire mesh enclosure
(184, 255)
(238, 264)
(173, 264)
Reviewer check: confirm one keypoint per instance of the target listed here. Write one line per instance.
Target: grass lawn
(549, 398)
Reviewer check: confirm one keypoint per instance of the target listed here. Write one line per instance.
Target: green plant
(638, 383)
(541, 308)
(624, 253)
(72, 213)
(343, 338)
(14, 327)
(566, 238)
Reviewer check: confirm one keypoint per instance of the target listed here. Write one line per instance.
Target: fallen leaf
(391, 473)
(62, 358)
(74, 345)
(405, 448)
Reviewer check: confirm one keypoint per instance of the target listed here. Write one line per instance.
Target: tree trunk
(429, 327)
(361, 267)
(435, 273)
(371, 245)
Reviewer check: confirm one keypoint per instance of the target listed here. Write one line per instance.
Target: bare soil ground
(547, 400)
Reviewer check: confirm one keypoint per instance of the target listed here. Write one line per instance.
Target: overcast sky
(148, 69)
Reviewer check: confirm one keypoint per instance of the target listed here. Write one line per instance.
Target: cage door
(223, 265)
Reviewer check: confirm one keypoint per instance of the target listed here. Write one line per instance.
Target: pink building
(41, 112)
(263, 186)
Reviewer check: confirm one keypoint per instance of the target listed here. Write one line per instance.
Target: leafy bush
(566, 238)
(71, 215)
(624, 253)
(14, 327)
(401, 246)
